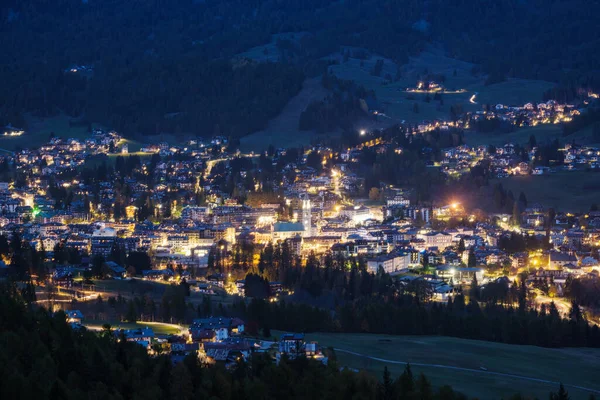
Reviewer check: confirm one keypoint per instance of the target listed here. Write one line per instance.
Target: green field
(157, 327)
(154, 289)
(39, 129)
(395, 102)
(577, 367)
(543, 133)
(133, 287)
(513, 92)
(398, 105)
(133, 145)
(268, 51)
(282, 131)
(573, 191)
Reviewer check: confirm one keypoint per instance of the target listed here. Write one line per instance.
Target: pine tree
(266, 331)
(523, 293)
(211, 258)
(405, 382)
(206, 306)
(181, 386)
(523, 199)
(472, 261)
(424, 388)
(532, 142)
(575, 313)
(561, 395)
(131, 315)
(461, 246)
(474, 292)
(387, 386)
(516, 214)
(4, 246)
(117, 211)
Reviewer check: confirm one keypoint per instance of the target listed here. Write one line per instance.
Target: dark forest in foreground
(41, 356)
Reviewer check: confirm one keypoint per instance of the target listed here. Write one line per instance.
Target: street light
(363, 132)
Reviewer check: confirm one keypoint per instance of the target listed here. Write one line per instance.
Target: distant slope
(269, 51)
(148, 59)
(395, 103)
(283, 130)
(398, 105)
(573, 191)
(509, 369)
(543, 134)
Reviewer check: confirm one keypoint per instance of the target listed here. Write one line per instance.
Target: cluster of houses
(215, 340)
(582, 156)
(312, 212)
(431, 86)
(505, 162)
(396, 237)
(530, 114)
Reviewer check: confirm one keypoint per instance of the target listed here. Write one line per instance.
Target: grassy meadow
(39, 129)
(573, 367)
(573, 191)
(398, 104)
(158, 327)
(282, 131)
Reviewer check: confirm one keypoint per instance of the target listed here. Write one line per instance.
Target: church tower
(306, 214)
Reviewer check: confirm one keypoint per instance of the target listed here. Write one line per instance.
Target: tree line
(404, 315)
(339, 295)
(168, 71)
(42, 356)
(346, 104)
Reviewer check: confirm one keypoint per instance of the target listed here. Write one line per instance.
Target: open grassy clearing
(39, 129)
(512, 92)
(282, 131)
(133, 146)
(571, 366)
(398, 105)
(543, 134)
(155, 289)
(130, 288)
(158, 327)
(435, 61)
(268, 52)
(573, 191)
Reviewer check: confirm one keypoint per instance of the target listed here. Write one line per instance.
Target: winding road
(479, 371)
(472, 99)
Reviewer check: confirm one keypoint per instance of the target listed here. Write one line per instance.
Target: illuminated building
(306, 215)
